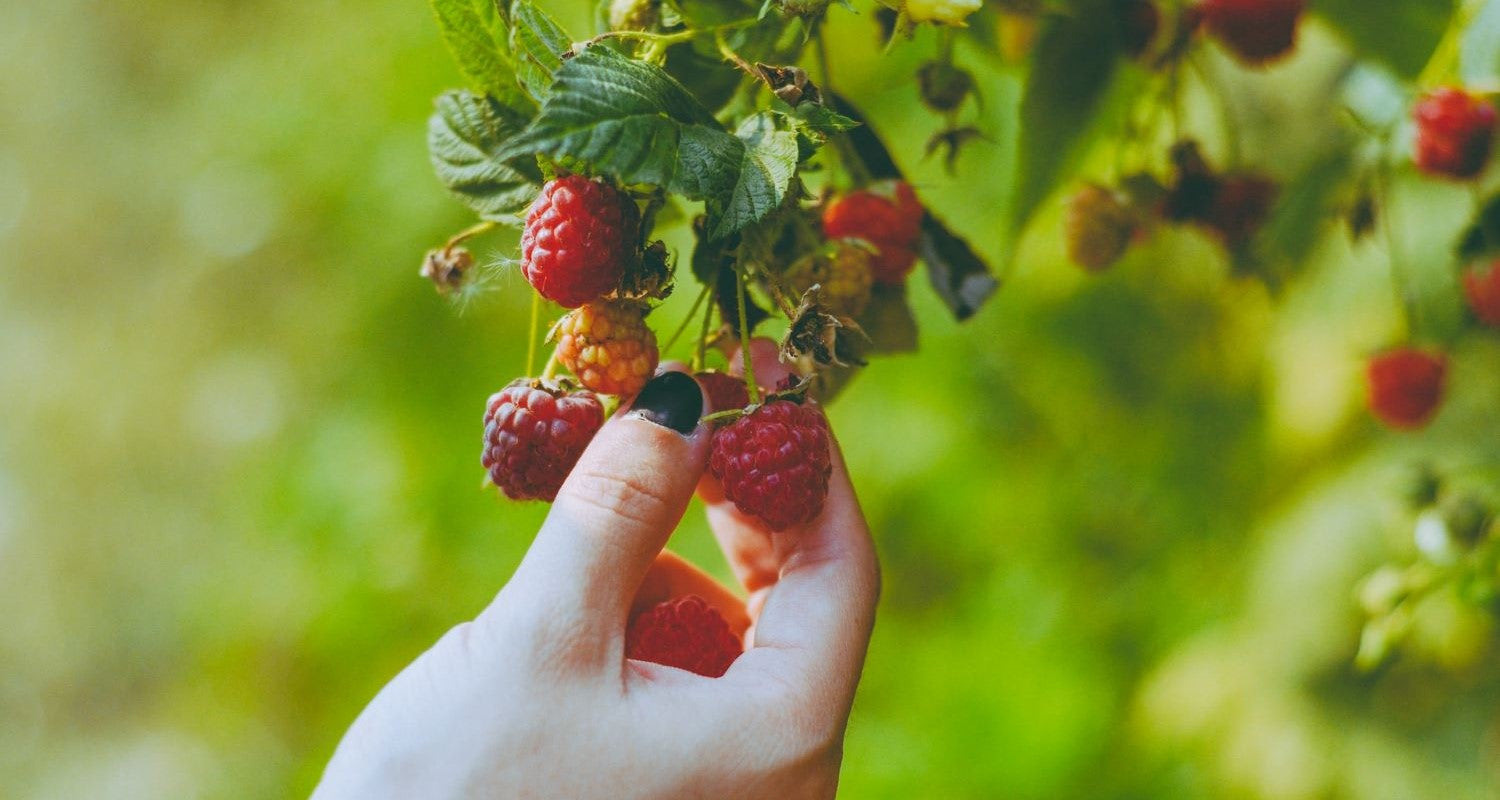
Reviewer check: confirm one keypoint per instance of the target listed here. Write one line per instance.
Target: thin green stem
(686, 320)
(745, 359)
(551, 368)
(665, 39)
(536, 318)
(1404, 299)
(469, 233)
(700, 351)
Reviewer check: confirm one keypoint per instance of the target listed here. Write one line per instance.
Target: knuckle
(627, 494)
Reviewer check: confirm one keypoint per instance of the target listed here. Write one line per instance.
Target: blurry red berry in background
(1482, 288)
(1406, 386)
(1256, 31)
(1455, 131)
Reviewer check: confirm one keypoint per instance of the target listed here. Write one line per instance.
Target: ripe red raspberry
(1098, 227)
(534, 434)
(888, 216)
(686, 633)
(725, 392)
(579, 237)
(1482, 287)
(1455, 131)
(1406, 387)
(1256, 31)
(774, 463)
(608, 346)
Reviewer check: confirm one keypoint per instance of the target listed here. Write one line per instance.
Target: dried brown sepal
(790, 83)
(815, 334)
(447, 267)
(650, 277)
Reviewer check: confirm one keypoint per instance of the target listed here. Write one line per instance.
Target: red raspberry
(1256, 31)
(579, 237)
(1454, 133)
(725, 392)
(608, 346)
(1406, 387)
(1482, 286)
(886, 215)
(686, 633)
(774, 463)
(534, 434)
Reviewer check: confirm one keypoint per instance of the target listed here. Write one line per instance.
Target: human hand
(535, 697)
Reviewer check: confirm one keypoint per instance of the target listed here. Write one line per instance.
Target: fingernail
(671, 400)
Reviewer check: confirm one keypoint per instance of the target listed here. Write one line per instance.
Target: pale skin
(535, 697)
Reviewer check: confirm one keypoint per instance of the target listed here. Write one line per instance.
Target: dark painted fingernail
(671, 400)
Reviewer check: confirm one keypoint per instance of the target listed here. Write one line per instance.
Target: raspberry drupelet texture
(1406, 387)
(889, 217)
(774, 463)
(534, 434)
(580, 236)
(1256, 31)
(1455, 132)
(1482, 289)
(1098, 228)
(608, 346)
(844, 273)
(686, 633)
(725, 392)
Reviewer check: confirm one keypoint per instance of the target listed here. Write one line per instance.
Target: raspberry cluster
(608, 345)
(1455, 133)
(534, 434)
(580, 237)
(774, 463)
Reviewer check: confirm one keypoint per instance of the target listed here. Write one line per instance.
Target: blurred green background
(1121, 519)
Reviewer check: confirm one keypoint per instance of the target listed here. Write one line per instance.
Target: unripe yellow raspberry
(844, 273)
(943, 12)
(608, 346)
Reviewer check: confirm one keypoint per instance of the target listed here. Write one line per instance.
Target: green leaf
(539, 44)
(819, 120)
(1072, 68)
(1480, 49)
(1399, 33)
(765, 174)
(1482, 238)
(465, 137)
(632, 121)
(475, 35)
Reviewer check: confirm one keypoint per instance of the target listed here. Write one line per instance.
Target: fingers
(815, 625)
(616, 509)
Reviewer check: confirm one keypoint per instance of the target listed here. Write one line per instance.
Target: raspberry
(1454, 133)
(844, 274)
(1256, 31)
(774, 463)
(725, 392)
(580, 235)
(608, 346)
(887, 216)
(686, 633)
(1098, 227)
(1406, 387)
(534, 434)
(1482, 287)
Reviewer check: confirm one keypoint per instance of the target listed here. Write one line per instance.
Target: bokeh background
(1121, 519)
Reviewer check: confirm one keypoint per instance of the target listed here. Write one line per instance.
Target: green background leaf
(1399, 33)
(1480, 49)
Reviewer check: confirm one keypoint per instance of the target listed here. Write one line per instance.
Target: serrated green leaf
(465, 137)
(539, 44)
(476, 36)
(1073, 65)
(765, 174)
(821, 121)
(1480, 50)
(1399, 33)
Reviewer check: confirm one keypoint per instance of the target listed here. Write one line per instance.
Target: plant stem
(469, 233)
(749, 363)
(699, 351)
(536, 316)
(729, 55)
(1404, 299)
(664, 39)
(687, 320)
(551, 368)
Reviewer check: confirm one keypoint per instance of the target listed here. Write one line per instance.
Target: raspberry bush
(721, 124)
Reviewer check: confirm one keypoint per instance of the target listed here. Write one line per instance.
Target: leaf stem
(670, 38)
(730, 55)
(686, 320)
(551, 368)
(1404, 299)
(700, 351)
(470, 232)
(748, 363)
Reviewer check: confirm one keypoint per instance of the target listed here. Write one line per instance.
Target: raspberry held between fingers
(774, 463)
(534, 434)
(686, 633)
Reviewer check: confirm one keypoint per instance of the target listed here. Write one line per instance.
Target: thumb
(618, 506)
